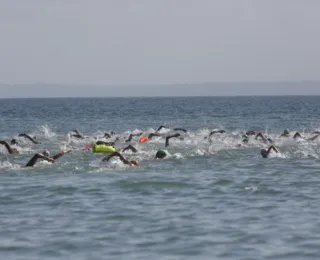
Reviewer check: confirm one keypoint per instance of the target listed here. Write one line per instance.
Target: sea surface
(215, 199)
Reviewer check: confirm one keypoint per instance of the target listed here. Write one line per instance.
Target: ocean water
(208, 200)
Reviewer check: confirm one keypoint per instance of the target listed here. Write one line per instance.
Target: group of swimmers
(12, 146)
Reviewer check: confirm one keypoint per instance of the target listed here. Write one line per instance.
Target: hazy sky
(158, 41)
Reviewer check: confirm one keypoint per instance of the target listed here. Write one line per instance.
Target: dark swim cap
(14, 141)
(161, 154)
(264, 153)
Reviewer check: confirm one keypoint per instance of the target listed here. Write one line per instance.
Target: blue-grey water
(208, 200)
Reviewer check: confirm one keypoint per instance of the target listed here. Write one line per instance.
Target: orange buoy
(143, 139)
(87, 147)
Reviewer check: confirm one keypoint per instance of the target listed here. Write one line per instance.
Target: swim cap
(14, 141)
(286, 132)
(245, 140)
(46, 153)
(264, 153)
(269, 140)
(161, 154)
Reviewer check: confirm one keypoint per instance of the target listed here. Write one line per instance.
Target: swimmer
(162, 154)
(29, 137)
(105, 143)
(265, 152)
(154, 134)
(215, 132)
(75, 133)
(263, 138)
(131, 148)
(285, 133)
(162, 126)
(298, 135)
(169, 137)
(250, 132)
(107, 135)
(123, 159)
(14, 142)
(180, 129)
(10, 149)
(45, 156)
(132, 135)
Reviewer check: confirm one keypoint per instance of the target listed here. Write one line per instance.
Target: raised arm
(180, 129)
(9, 148)
(313, 138)
(217, 132)
(160, 127)
(34, 159)
(152, 135)
(116, 154)
(297, 135)
(58, 155)
(130, 147)
(129, 138)
(272, 148)
(29, 137)
(169, 137)
(262, 137)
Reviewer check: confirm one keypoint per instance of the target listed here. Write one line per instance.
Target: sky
(152, 42)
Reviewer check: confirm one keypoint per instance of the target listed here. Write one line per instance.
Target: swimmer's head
(14, 142)
(161, 154)
(264, 153)
(46, 153)
(269, 140)
(286, 132)
(245, 140)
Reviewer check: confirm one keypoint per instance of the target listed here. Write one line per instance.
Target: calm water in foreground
(206, 201)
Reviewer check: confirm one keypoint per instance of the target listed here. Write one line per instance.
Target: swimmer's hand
(51, 160)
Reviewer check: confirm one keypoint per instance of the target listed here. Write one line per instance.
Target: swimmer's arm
(215, 132)
(130, 138)
(313, 138)
(116, 154)
(169, 137)
(152, 135)
(9, 148)
(29, 137)
(130, 147)
(297, 134)
(262, 137)
(58, 155)
(272, 147)
(250, 132)
(160, 127)
(105, 143)
(259, 135)
(34, 159)
(180, 129)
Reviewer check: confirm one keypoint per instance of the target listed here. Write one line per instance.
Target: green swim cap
(161, 154)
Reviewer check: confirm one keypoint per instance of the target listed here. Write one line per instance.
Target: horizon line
(159, 84)
(196, 96)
